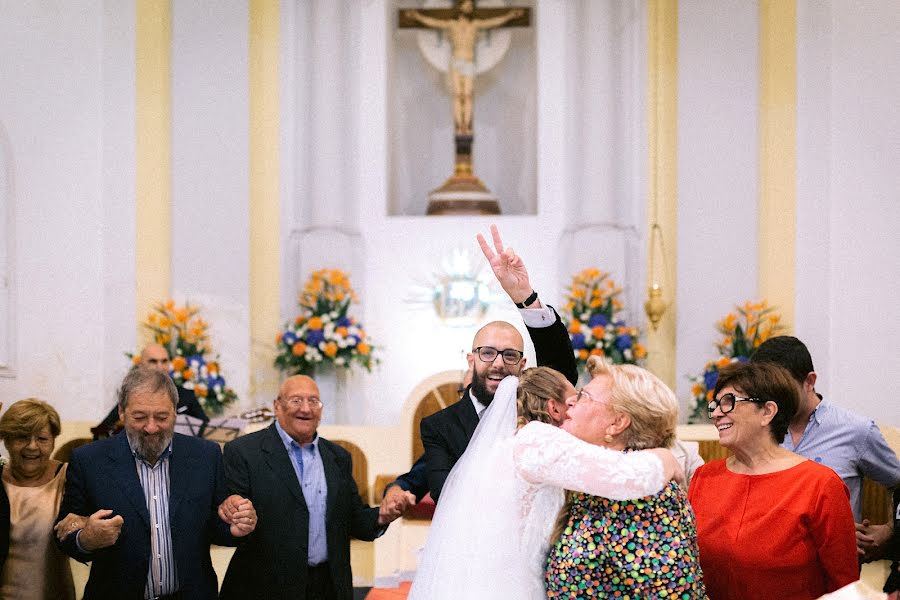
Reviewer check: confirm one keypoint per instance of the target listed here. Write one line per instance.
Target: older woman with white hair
(608, 548)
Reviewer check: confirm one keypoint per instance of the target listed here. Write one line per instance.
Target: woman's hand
(69, 525)
(672, 469)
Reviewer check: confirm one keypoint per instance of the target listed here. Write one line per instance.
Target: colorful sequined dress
(633, 549)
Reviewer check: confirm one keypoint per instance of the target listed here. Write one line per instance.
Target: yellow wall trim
(265, 237)
(662, 161)
(153, 153)
(778, 154)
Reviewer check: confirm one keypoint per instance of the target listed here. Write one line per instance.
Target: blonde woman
(607, 548)
(33, 483)
(491, 530)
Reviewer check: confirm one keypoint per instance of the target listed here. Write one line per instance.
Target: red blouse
(786, 535)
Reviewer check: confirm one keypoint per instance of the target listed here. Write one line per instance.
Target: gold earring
(608, 439)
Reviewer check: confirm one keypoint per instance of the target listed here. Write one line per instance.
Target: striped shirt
(162, 577)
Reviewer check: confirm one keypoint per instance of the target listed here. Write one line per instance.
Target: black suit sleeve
(363, 518)
(111, 419)
(416, 481)
(75, 501)
(220, 531)
(437, 456)
(553, 348)
(188, 399)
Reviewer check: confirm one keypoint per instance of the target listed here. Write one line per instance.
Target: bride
(490, 534)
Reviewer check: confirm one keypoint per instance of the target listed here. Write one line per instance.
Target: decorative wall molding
(7, 258)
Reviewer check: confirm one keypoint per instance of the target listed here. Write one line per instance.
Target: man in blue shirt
(849, 443)
(308, 505)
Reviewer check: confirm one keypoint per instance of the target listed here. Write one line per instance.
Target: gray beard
(148, 448)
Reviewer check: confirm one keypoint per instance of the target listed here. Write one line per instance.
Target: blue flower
(212, 382)
(344, 322)
(599, 319)
(314, 336)
(742, 359)
(623, 342)
(578, 341)
(289, 338)
(353, 340)
(710, 378)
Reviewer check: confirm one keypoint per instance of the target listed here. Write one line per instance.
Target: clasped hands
(102, 529)
(395, 502)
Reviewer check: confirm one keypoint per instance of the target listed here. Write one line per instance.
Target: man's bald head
(487, 375)
(155, 356)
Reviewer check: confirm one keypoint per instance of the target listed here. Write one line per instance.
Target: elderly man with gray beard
(156, 501)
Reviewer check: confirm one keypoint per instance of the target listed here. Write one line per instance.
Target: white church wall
(210, 175)
(55, 92)
(717, 173)
(848, 209)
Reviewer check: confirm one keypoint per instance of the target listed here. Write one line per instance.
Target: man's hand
(239, 513)
(508, 268)
(101, 530)
(872, 540)
(69, 525)
(395, 502)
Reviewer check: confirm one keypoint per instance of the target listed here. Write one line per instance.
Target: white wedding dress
(489, 538)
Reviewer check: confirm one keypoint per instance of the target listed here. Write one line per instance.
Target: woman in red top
(770, 523)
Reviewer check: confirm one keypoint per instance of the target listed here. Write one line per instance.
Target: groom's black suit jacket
(446, 433)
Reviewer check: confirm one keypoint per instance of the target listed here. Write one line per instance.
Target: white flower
(339, 360)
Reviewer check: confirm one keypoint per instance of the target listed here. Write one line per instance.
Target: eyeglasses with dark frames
(727, 402)
(489, 354)
(582, 393)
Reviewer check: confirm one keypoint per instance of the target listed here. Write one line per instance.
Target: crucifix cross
(462, 23)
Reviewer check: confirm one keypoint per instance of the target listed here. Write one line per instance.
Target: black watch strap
(528, 301)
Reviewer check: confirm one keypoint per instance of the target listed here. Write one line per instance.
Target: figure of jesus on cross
(462, 31)
(463, 192)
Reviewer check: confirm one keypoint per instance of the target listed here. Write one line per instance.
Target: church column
(662, 129)
(153, 177)
(778, 154)
(265, 237)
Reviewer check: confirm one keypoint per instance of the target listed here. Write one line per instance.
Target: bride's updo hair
(537, 386)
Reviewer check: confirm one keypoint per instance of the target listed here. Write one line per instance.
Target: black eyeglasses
(489, 354)
(727, 402)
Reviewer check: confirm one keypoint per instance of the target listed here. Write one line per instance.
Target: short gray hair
(143, 379)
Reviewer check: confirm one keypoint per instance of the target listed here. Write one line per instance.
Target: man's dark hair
(788, 352)
(769, 383)
(143, 379)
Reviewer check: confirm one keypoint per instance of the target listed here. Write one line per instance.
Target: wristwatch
(528, 301)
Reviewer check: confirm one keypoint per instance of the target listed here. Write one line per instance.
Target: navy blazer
(272, 563)
(102, 475)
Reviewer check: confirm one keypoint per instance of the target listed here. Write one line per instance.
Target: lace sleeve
(544, 454)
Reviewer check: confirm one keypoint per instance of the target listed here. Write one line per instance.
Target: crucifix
(463, 192)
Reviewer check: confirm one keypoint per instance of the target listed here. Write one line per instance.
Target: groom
(497, 351)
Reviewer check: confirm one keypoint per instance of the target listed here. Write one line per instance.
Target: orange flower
(178, 363)
(723, 361)
(299, 321)
(315, 323)
(709, 395)
(201, 391)
(163, 338)
(363, 348)
(136, 359)
(331, 349)
(598, 351)
(596, 303)
(639, 351)
(696, 389)
(278, 338)
(341, 331)
(181, 315)
(582, 354)
(187, 374)
(598, 332)
(298, 349)
(212, 366)
(575, 326)
(169, 305)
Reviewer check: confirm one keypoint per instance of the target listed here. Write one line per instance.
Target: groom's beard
(479, 385)
(149, 446)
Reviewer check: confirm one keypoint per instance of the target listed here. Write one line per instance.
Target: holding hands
(100, 530)
(239, 513)
(69, 525)
(395, 502)
(508, 269)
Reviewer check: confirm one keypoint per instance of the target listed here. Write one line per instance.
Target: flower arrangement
(743, 331)
(184, 333)
(595, 330)
(323, 332)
